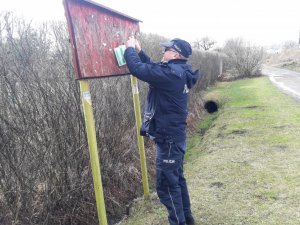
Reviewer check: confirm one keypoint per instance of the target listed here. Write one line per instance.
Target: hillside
(287, 59)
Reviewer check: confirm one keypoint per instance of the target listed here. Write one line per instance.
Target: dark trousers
(171, 185)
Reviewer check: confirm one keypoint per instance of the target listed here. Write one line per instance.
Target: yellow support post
(93, 150)
(137, 113)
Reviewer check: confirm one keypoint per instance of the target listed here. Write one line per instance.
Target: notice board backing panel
(95, 31)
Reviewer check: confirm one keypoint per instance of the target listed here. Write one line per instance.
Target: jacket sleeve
(144, 57)
(151, 73)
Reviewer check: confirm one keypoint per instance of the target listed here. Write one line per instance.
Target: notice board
(95, 31)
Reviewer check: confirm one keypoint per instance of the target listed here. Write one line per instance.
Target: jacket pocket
(167, 178)
(146, 124)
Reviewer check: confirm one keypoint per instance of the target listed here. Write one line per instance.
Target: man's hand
(132, 42)
(137, 46)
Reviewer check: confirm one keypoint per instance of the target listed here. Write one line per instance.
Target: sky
(259, 22)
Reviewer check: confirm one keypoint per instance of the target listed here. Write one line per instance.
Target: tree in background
(204, 43)
(289, 45)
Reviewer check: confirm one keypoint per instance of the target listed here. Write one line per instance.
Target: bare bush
(243, 60)
(44, 163)
(44, 155)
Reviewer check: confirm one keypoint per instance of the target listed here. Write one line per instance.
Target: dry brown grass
(287, 59)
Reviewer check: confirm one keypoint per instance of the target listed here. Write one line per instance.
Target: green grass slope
(246, 169)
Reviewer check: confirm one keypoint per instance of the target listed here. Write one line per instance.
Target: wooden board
(95, 31)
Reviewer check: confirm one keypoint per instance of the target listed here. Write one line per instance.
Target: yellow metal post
(137, 113)
(93, 149)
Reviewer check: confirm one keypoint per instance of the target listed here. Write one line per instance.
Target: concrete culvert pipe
(213, 101)
(211, 106)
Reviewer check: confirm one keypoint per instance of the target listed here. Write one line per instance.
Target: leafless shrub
(44, 161)
(243, 60)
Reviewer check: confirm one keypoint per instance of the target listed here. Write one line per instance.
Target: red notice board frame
(95, 30)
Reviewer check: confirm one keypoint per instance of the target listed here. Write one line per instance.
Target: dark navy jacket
(166, 108)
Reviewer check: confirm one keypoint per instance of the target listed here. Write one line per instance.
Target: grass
(195, 140)
(245, 169)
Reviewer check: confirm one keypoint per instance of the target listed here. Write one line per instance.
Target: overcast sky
(261, 22)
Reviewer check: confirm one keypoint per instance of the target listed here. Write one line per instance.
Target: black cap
(180, 46)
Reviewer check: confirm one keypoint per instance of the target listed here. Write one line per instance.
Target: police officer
(164, 119)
